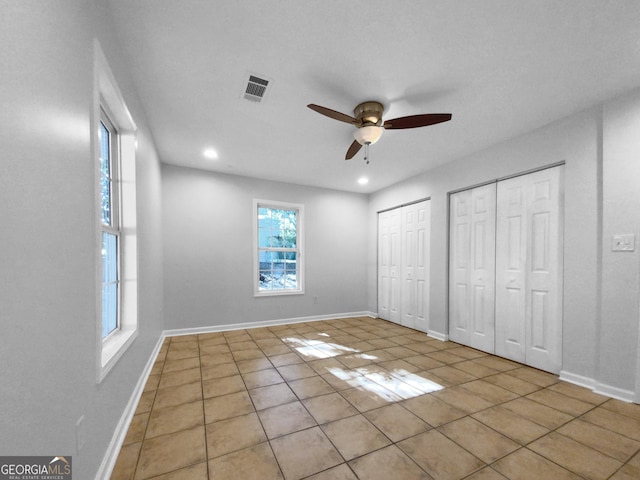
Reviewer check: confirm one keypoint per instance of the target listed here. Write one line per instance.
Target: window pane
(278, 270)
(109, 257)
(277, 228)
(109, 308)
(109, 283)
(290, 272)
(266, 280)
(105, 174)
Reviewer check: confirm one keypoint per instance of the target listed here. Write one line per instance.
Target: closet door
(529, 269)
(389, 265)
(415, 270)
(472, 267)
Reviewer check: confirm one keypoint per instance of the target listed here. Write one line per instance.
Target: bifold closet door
(472, 267)
(389, 265)
(529, 269)
(415, 267)
(403, 265)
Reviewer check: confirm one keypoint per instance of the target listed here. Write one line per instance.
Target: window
(278, 248)
(110, 225)
(116, 232)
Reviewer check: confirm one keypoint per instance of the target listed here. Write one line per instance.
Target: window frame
(108, 98)
(298, 250)
(115, 226)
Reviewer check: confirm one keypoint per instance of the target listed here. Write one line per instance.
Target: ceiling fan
(368, 120)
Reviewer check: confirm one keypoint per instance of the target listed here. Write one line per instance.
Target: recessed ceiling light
(363, 180)
(210, 153)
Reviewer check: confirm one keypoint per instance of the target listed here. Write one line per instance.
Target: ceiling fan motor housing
(369, 113)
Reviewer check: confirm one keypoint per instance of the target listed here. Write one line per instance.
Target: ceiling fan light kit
(368, 121)
(368, 135)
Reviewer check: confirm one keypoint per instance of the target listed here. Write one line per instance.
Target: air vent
(256, 89)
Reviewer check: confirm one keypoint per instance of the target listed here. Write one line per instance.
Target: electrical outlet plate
(623, 242)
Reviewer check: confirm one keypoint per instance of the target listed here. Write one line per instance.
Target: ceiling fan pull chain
(366, 152)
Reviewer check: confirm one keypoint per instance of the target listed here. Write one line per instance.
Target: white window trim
(115, 226)
(299, 242)
(107, 95)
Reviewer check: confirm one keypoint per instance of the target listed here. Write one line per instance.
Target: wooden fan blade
(413, 121)
(342, 117)
(353, 149)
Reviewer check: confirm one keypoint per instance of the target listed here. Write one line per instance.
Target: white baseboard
(615, 392)
(266, 323)
(111, 455)
(576, 379)
(438, 336)
(599, 388)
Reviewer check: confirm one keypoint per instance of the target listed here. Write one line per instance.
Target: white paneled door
(414, 262)
(403, 265)
(472, 267)
(389, 265)
(529, 269)
(505, 268)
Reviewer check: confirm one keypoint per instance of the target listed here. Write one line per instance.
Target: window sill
(277, 293)
(113, 348)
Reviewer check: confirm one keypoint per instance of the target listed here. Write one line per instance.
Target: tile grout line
(307, 332)
(264, 430)
(318, 425)
(358, 413)
(470, 415)
(204, 415)
(202, 401)
(526, 445)
(155, 394)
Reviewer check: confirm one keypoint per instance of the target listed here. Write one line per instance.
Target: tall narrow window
(110, 223)
(114, 147)
(278, 236)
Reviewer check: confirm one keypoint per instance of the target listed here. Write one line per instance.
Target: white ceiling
(501, 67)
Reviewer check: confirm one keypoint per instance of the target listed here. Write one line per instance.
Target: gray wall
(208, 254)
(601, 288)
(618, 350)
(48, 215)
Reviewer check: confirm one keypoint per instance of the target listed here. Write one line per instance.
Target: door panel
(384, 251)
(394, 266)
(510, 269)
(415, 228)
(403, 265)
(471, 269)
(384, 265)
(459, 273)
(528, 276)
(483, 273)
(544, 295)
(510, 335)
(388, 265)
(422, 268)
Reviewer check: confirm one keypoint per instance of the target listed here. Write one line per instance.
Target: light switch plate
(623, 242)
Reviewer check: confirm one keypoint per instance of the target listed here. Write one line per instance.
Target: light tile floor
(363, 398)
